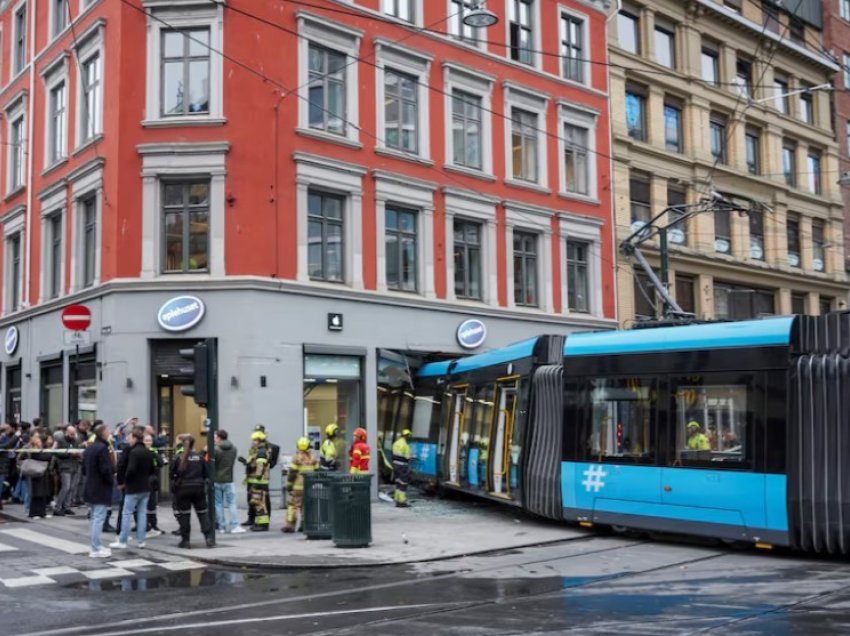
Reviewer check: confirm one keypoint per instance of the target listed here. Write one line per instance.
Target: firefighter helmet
(303, 443)
(331, 430)
(360, 433)
(406, 432)
(258, 436)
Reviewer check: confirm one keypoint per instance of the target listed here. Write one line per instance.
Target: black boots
(210, 541)
(184, 543)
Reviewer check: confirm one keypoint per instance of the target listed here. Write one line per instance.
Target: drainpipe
(32, 7)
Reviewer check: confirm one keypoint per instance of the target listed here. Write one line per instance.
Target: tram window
(623, 417)
(423, 412)
(711, 422)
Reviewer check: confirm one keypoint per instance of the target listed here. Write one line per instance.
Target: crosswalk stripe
(46, 540)
(132, 564)
(57, 571)
(7, 548)
(106, 573)
(27, 581)
(177, 566)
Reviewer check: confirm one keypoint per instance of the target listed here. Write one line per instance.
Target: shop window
(623, 411)
(50, 404)
(83, 389)
(13, 394)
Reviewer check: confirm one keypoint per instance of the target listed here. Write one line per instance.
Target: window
(636, 112)
(673, 127)
(401, 111)
(848, 137)
(88, 210)
(780, 92)
(466, 130)
(752, 149)
(401, 248)
(185, 72)
(186, 226)
(525, 269)
(734, 302)
(744, 78)
(19, 41)
(807, 113)
(91, 98)
(677, 230)
(789, 162)
(16, 154)
(578, 285)
(327, 90)
(825, 305)
(685, 293)
(644, 295)
(325, 236)
(844, 7)
(665, 45)
(717, 132)
(756, 236)
(54, 236)
(792, 228)
(845, 65)
(457, 11)
(770, 17)
(467, 259)
(710, 64)
(623, 419)
(50, 396)
(640, 202)
(722, 232)
(524, 144)
(628, 31)
(575, 159)
(818, 246)
(813, 172)
(798, 304)
(13, 273)
(521, 37)
(401, 9)
(796, 30)
(59, 10)
(711, 420)
(58, 127)
(572, 47)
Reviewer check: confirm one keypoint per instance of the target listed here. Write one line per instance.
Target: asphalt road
(592, 585)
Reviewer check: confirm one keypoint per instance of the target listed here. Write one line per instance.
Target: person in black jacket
(138, 469)
(97, 491)
(41, 486)
(189, 477)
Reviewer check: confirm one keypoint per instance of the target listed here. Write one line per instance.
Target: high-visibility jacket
(698, 442)
(258, 469)
(328, 455)
(401, 450)
(302, 462)
(359, 457)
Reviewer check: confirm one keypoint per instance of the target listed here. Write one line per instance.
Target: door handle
(667, 489)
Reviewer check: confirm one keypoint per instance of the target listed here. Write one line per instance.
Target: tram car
(738, 431)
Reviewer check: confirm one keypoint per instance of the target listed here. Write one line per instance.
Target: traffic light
(199, 371)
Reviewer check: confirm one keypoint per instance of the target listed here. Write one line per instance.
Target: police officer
(302, 462)
(328, 460)
(258, 469)
(401, 468)
(359, 453)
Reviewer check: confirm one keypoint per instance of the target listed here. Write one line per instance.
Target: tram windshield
(623, 409)
(711, 422)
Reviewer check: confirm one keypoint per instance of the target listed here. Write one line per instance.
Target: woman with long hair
(189, 477)
(40, 485)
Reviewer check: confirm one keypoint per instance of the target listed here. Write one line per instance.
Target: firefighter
(328, 460)
(302, 462)
(401, 468)
(359, 453)
(257, 470)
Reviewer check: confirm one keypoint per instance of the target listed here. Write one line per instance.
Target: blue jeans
(98, 516)
(225, 497)
(134, 503)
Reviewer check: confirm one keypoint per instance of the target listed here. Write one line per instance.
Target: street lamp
(480, 17)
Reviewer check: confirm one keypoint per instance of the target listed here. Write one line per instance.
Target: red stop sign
(76, 317)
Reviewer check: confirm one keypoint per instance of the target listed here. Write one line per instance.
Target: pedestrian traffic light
(199, 371)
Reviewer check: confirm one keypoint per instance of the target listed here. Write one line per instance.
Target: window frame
(639, 94)
(576, 154)
(16, 177)
(723, 231)
(644, 207)
(186, 60)
(744, 77)
(185, 214)
(478, 85)
(13, 259)
(514, 24)
(844, 9)
(88, 120)
(55, 255)
(806, 105)
(402, 235)
(403, 104)
(457, 30)
(589, 232)
(718, 126)
(18, 57)
(845, 58)
(524, 99)
(87, 187)
(710, 51)
(466, 98)
(675, 212)
(752, 140)
(575, 61)
(58, 17)
(529, 261)
(89, 230)
(583, 118)
(792, 239)
(633, 17)
(393, 7)
(814, 171)
(325, 223)
(480, 208)
(789, 150)
(677, 144)
(573, 265)
(669, 32)
(467, 247)
(524, 127)
(325, 80)
(57, 123)
(781, 100)
(819, 245)
(757, 241)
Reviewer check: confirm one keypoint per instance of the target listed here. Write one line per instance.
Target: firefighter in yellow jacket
(257, 471)
(401, 468)
(302, 462)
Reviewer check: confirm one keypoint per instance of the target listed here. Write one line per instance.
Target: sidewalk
(432, 529)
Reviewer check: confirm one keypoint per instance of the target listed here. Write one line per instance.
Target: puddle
(176, 580)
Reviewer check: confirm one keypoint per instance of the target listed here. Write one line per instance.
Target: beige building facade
(713, 97)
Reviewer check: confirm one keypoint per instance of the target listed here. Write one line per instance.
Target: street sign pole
(212, 416)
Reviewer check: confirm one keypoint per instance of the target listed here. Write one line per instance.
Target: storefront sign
(11, 340)
(181, 313)
(471, 334)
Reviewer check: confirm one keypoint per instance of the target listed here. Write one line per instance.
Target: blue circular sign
(471, 334)
(181, 313)
(10, 343)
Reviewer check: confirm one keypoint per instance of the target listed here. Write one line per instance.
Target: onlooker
(153, 501)
(69, 471)
(188, 476)
(225, 490)
(37, 468)
(140, 466)
(99, 468)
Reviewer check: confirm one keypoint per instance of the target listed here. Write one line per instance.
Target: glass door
(453, 450)
(504, 460)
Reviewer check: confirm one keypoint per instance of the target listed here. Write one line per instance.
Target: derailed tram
(738, 431)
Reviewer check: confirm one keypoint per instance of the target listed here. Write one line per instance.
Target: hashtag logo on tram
(594, 478)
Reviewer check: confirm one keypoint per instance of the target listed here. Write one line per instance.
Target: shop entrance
(175, 413)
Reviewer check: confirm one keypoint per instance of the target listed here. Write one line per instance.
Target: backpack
(274, 454)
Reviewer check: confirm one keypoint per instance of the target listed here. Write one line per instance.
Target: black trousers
(184, 500)
(153, 502)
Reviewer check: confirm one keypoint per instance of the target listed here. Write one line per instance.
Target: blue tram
(737, 431)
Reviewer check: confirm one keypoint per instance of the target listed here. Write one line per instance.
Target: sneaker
(141, 544)
(238, 530)
(118, 545)
(100, 554)
(153, 532)
(68, 511)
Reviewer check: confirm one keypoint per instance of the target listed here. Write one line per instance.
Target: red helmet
(360, 433)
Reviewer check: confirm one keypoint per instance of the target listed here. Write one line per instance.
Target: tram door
(456, 424)
(504, 460)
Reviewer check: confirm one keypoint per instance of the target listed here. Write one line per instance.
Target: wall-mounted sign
(10, 342)
(471, 334)
(181, 313)
(335, 322)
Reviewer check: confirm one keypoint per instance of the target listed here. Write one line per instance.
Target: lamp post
(480, 17)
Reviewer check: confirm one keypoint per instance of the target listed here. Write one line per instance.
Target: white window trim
(51, 34)
(417, 14)
(183, 15)
(586, 48)
(412, 194)
(480, 45)
(90, 45)
(55, 73)
(587, 230)
(475, 207)
(527, 99)
(16, 110)
(410, 62)
(87, 182)
(464, 79)
(334, 177)
(13, 224)
(519, 217)
(536, 28)
(52, 203)
(343, 39)
(181, 160)
(575, 115)
(13, 72)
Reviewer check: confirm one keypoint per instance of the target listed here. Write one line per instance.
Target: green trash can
(352, 511)
(317, 512)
